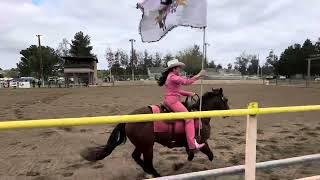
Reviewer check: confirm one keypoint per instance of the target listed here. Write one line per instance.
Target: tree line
(121, 63)
(291, 61)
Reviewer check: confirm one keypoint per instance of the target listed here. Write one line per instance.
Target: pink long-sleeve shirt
(174, 83)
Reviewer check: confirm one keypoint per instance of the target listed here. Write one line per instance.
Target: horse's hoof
(211, 158)
(190, 156)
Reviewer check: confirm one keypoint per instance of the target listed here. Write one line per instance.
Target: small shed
(80, 70)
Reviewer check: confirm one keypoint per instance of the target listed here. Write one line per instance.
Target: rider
(172, 80)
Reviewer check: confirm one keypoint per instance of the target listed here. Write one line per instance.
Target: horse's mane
(210, 94)
(206, 96)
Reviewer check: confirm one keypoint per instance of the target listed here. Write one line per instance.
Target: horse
(143, 137)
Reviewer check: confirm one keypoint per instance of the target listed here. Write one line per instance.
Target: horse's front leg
(148, 162)
(207, 151)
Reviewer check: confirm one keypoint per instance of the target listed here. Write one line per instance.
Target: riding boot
(190, 135)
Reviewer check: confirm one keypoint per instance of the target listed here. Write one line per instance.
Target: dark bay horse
(143, 137)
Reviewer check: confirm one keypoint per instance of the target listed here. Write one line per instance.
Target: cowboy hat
(174, 63)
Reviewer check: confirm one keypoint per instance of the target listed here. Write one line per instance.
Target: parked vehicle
(282, 78)
(270, 77)
(13, 84)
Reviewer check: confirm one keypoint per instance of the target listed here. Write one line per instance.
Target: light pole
(205, 52)
(40, 56)
(132, 64)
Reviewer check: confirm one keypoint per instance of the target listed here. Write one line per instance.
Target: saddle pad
(159, 126)
(163, 126)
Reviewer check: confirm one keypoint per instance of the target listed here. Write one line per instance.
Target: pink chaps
(173, 102)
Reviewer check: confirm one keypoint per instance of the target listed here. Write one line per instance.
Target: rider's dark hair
(162, 80)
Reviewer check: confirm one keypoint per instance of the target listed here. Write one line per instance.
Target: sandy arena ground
(54, 153)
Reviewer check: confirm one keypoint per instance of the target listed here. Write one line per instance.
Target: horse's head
(212, 100)
(215, 100)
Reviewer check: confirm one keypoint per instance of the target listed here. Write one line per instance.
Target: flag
(161, 16)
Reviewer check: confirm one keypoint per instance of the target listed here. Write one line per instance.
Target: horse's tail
(117, 137)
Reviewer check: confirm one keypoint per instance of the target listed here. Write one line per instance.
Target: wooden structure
(315, 57)
(80, 70)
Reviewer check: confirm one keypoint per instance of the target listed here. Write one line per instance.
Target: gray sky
(234, 26)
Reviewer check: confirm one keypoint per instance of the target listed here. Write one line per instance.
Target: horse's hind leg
(136, 155)
(148, 162)
(207, 151)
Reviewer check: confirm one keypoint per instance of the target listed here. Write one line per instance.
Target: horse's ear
(221, 91)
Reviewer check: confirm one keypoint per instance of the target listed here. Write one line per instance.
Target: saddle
(166, 109)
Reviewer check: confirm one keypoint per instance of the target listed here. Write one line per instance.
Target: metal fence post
(251, 143)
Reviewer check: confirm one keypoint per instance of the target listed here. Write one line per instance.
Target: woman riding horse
(172, 81)
(143, 136)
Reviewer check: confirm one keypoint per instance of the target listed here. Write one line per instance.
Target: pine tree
(81, 45)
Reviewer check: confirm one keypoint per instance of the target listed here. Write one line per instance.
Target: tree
(29, 64)
(192, 57)
(1, 74)
(102, 74)
(219, 66)
(146, 63)
(254, 65)
(124, 58)
(317, 46)
(271, 65)
(63, 48)
(12, 73)
(109, 57)
(167, 57)
(291, 61)
(157, 60)
(229, 66)
(212, 65)
(241, 63)
(81, 45)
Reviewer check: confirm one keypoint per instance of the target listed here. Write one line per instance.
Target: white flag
(161, 16)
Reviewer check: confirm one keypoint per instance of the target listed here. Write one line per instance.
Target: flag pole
(201, 83)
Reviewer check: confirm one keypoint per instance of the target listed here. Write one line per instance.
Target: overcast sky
(234, 26)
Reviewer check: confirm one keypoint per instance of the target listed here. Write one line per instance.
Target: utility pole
(258, 66)
(132, 58)
(40, 56)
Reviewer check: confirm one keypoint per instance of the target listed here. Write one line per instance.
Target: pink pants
(173, 102)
